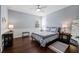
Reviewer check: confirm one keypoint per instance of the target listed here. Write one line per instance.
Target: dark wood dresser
(7, 39)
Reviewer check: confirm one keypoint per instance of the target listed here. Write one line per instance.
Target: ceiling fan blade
(42, 11)
(43, 6)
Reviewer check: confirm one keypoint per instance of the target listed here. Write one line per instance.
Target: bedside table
(7, 39)
(65, 37)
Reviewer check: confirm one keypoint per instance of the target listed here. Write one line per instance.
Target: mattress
(45, 33)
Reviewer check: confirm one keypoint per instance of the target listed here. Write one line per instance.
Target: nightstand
(65, 37)
(7, 39)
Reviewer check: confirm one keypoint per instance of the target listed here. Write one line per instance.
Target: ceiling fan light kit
(38, 10)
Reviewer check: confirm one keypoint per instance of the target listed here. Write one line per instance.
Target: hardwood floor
(26, 45)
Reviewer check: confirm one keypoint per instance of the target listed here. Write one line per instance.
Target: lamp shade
(11, 26)
(64, 26)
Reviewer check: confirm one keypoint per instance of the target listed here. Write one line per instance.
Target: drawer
(6, 44)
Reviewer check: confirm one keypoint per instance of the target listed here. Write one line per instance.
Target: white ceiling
(31, 9)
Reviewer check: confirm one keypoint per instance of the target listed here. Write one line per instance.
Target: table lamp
(11, 27)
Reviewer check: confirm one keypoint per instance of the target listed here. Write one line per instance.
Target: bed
(44, 37)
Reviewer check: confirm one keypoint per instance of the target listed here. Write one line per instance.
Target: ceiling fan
(40, 8)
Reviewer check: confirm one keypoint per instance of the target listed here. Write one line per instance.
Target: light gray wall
(0, 28)
(78, 11)
(0, 13)
(66, 14)
(4, 15)
(0, 18)
(22, 20)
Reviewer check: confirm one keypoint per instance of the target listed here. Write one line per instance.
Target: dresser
(7, 39)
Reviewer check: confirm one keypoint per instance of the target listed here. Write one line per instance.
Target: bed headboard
(52, 29)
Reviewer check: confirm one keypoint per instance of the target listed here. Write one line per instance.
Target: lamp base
(10, 31)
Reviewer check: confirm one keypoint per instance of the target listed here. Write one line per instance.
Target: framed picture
(37, 24)
(3, 20)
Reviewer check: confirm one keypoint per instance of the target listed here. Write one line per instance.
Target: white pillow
(47, 29)
(53, 29)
